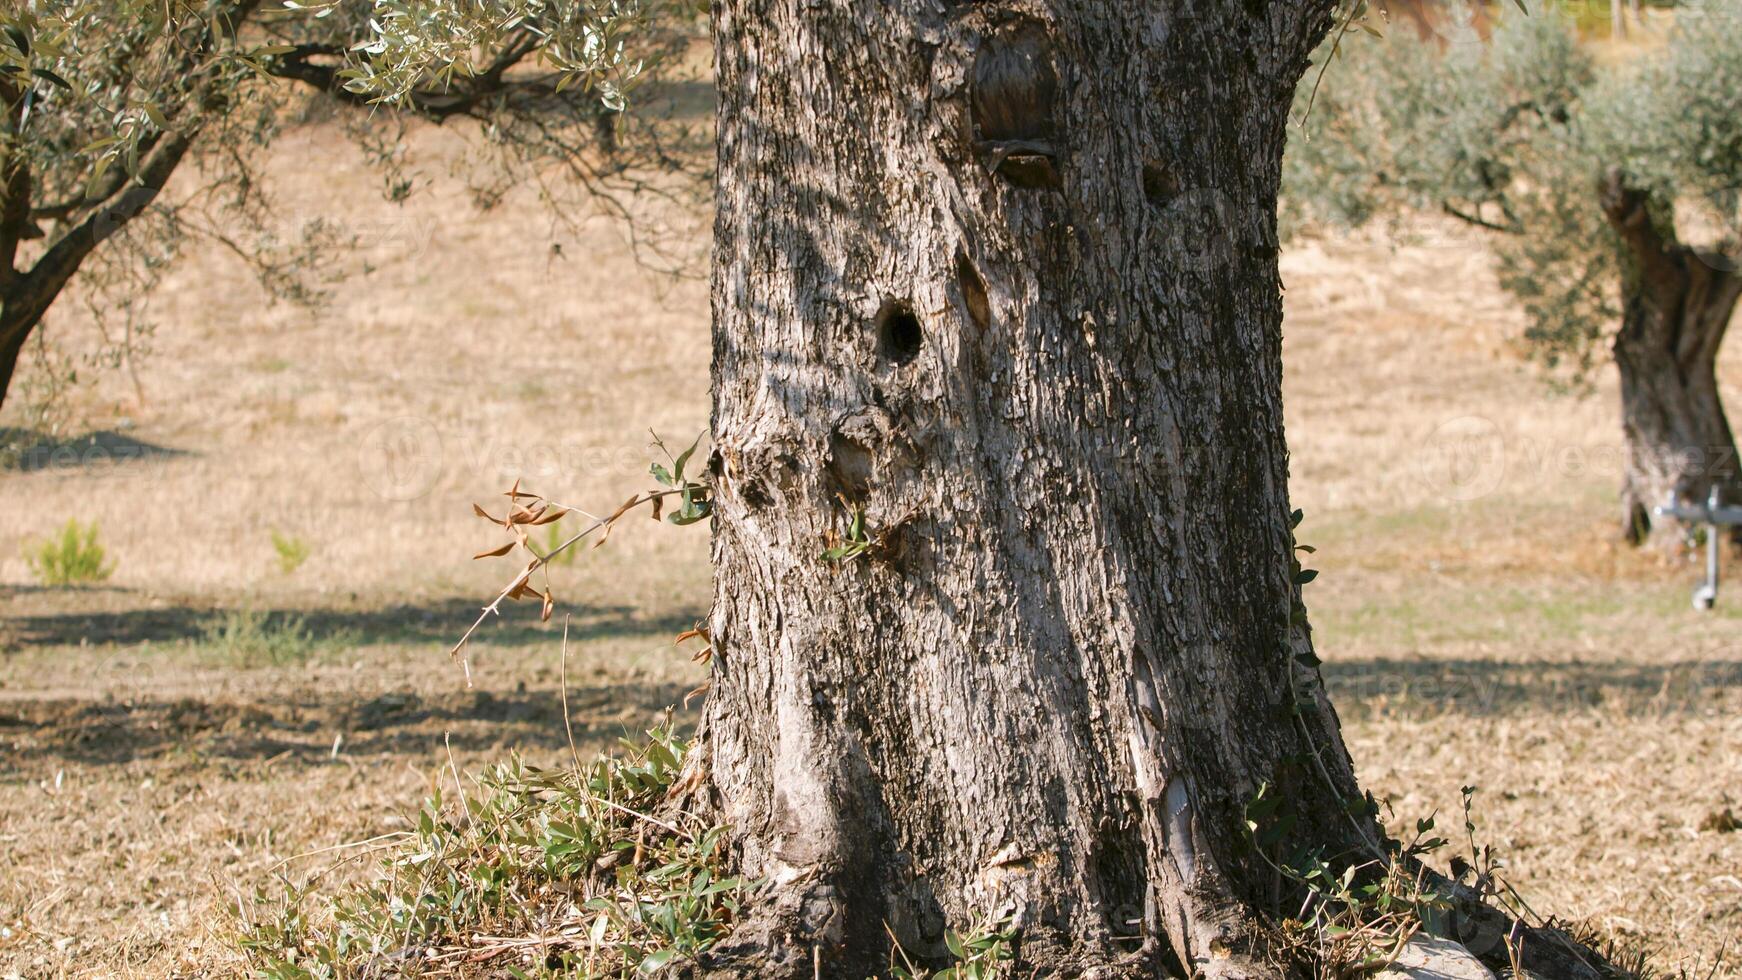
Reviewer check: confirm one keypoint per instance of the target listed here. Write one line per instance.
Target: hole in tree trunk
(898, 333)
(1030, 170)
(1160, 185)
(849, 465)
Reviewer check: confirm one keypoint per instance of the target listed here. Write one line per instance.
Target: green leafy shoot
(251, 638)
(985, 952)
(1352, 918)
(693, 498)
(857, 540)
(555, 553)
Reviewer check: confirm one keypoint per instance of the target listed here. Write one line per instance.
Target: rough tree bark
(1677, 306)
(1003, 278)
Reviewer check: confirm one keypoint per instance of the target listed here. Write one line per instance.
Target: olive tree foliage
(105, 101)
(550, 83)
(1610, 192)
(102, 103)
(1514, 137)
(1485, 133)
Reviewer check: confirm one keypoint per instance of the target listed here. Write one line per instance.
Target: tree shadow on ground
(31, 452)
(1480, 688)
(435, 621)
(302, 727)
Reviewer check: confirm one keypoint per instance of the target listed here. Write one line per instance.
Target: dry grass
(1478, 623)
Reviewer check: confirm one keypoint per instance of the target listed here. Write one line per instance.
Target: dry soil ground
(159, 761)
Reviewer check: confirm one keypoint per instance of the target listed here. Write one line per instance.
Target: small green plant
(251, 638)
(291, 550)
(574, 856)
(73, 557)
(983, 953)
(857, 541)
(1356, 917)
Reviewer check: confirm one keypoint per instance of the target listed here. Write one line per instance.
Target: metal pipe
(1713, 515)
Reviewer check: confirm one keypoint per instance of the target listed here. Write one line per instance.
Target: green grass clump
(250, 638)
(576, 858)
(291, 551)
(73, 557)
(546, 873)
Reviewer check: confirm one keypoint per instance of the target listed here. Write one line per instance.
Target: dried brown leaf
(627, 506)
(495, 552)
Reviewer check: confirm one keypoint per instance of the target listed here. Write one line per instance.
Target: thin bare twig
(563, 672)
(674, 828)
(460, 787)
(542, 561)
(394, 835)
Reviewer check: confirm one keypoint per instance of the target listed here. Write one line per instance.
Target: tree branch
(15, 223)
(1479, 221)
(51, 272)
(123, 196)
(1628, 212)
(438, 105)
(113, 183)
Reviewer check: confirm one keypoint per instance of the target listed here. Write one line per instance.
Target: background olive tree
(132, 127)
(1611, 194)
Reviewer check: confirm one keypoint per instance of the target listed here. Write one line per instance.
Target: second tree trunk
(1677, 306)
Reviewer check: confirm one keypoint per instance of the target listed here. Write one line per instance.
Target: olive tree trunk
(1006, 621)
(1677, 306)
(13, 334)
(24, 302)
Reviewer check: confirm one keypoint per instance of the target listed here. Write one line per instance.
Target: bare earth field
(205, 721)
